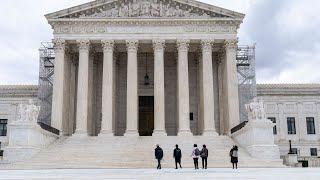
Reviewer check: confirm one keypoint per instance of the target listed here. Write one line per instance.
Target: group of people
(196, 154)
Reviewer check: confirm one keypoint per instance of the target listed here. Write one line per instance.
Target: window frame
(310, 120)
(293, 129)
(316, 152)
(3, 127)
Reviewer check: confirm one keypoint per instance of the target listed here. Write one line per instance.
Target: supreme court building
(130, 67)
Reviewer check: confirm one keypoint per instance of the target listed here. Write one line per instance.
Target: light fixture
(146, 77)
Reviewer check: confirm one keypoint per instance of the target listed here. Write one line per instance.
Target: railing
(238, 127)
(49, 128)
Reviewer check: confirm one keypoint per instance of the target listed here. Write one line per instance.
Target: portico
(189, 57)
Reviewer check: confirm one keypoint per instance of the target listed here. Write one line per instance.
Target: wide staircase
(135, 152)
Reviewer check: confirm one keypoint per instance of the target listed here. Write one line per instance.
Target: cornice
(288, 89)
(18, 90)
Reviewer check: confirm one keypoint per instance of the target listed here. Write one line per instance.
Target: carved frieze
(144, 9)
(128, 27)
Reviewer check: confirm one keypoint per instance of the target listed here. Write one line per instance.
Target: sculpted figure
(28, 112)
(155, 8)
(256, 110)
(124, 10)
(135, 8)
(145, 8)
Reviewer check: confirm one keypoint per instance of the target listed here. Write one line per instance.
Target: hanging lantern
(146, 77)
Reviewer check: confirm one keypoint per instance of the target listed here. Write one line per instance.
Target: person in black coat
(204, 155)
(158, 153)
(177, 154)
(234, 157)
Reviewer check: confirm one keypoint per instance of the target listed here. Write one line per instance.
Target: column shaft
(83, 88)
(58, 113)
(183, 88)
(132, 89)
(159, 98)
(231, 84)
(107, 88)
(207, 89)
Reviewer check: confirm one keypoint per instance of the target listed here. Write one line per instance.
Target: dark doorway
(146, 115)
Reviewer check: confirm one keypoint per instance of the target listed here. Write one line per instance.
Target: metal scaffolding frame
(46, 70)
(246, 77)
(245, 68)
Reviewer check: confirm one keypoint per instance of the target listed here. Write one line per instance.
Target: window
(273, 120)
(313, 152)
(3, 127)
(295, 150)
(310, 125)
(291, 125)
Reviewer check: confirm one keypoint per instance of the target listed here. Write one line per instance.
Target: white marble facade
(298, 101)
(102, 46)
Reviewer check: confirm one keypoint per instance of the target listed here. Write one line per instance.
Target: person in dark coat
(177, 154)
(204, 155)
(158, 153)
(234, 157)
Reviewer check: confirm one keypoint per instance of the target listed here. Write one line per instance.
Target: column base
(185, 133)
(210, 133)
(80, 133)
(159, 133)
(106, 133)
(131, 133)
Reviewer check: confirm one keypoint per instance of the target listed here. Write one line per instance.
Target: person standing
(195, 155)
(234, 157)
(158, 153)
(177, 154)
(204, 156)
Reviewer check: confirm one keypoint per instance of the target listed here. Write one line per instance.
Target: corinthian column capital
(183, 44)
(107, 45)
(231, 44)
(59, 44)
(132, 45)
(83, 44)
(206, 44)
(158, 44)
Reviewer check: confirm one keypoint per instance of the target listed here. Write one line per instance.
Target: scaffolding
(245, 68)
(246, 77)
(46, 70)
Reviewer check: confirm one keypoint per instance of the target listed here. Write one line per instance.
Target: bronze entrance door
(146, 115)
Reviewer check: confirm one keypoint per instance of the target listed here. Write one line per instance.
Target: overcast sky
(286, 32)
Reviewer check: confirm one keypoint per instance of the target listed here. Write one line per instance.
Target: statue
(134, 9)
(145, 9)
(124, 10)
(255, 110)
(155, 9)
(28, 112)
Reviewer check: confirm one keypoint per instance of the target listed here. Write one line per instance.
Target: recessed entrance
(146, 115)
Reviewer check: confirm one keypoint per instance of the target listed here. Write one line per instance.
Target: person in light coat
(195, 156)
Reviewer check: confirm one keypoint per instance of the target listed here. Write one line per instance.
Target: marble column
(132, 89)
(83, 88)
(107, 89)
(231, 84)
(301, 123)
(206, 94)
(59, 86)
(183, 89)
(159, 98)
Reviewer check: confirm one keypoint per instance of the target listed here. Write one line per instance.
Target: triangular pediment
(144, 9)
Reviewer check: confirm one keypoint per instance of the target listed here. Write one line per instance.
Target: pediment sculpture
(145, 9)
